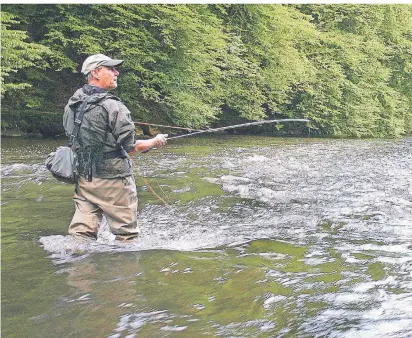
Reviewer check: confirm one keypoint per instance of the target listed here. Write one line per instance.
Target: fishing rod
(237, 126)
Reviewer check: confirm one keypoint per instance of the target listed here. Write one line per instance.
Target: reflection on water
(270, 237)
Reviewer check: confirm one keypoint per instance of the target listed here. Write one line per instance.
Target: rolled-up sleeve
(121, 123)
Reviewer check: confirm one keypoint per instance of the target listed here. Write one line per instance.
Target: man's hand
(143, 146)
(160, 140)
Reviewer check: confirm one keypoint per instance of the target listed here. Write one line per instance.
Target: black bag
(62, 163)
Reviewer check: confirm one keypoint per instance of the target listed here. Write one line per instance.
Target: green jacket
(107, 127)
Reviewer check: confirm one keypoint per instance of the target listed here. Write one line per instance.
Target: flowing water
(247, 237)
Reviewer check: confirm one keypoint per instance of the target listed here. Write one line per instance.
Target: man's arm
(123, 129)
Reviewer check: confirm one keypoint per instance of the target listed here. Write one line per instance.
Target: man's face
(107, 77)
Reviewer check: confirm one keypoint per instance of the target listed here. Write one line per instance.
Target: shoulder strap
(78, 120)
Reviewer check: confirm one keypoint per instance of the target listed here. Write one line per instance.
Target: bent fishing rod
(257, 123)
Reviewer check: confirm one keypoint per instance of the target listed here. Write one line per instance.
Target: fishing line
(164, 193)
(153, 191)
(148, 185)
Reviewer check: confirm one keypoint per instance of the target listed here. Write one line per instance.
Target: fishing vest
(106, 134)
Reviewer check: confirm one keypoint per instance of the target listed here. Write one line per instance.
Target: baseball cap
(97, 60)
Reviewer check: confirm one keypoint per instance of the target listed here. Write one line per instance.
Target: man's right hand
(143, 146)
(160, 140)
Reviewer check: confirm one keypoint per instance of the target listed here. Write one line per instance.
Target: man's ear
(93, 72)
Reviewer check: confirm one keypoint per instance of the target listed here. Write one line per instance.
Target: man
(105, 140)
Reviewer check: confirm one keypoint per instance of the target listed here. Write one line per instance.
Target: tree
(17, 54)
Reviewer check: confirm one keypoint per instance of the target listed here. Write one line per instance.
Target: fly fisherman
(106, 139)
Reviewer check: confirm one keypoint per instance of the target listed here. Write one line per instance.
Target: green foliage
(353, 93)
(17, 54)
(346, 67)
(270, 34)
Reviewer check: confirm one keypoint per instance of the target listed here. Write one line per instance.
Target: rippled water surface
(241, 237)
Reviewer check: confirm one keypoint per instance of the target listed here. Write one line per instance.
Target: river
(242, 236)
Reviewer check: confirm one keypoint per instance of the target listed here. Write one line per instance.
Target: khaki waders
(115, 198)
